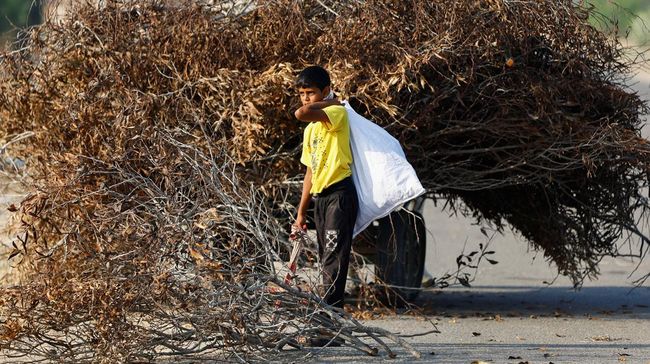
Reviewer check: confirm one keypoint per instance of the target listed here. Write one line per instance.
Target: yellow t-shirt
(326, 149)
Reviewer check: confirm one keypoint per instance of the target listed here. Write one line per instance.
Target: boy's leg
(335, 218)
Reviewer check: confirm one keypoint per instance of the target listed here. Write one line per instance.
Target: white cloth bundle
(383, 178)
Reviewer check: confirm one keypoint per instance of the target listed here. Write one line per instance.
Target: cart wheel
(401, 247)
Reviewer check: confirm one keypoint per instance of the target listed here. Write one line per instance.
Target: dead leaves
(136, 145)
(605, 338)
(207, 219)
(376, 313)
(9, 330)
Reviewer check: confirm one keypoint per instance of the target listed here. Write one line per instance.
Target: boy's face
(310, 95)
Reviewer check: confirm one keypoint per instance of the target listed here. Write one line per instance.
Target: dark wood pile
(165, 149)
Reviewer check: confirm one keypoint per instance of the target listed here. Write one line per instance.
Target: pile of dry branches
(165, 156)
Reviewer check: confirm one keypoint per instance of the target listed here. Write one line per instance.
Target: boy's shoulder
(337, 110)
(336, 107)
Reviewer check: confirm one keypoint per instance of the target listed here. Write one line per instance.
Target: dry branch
(164, 157)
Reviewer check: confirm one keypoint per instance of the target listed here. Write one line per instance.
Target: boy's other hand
(300, 223)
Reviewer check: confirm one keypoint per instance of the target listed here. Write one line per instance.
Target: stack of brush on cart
(164, 159)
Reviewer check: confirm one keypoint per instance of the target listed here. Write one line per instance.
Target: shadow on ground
(546, 301)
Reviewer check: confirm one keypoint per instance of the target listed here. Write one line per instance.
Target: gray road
(512, 315)
(534, 323)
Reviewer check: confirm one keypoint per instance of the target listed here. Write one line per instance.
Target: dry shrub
(165, 156)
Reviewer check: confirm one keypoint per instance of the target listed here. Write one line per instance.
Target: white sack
(383, 178)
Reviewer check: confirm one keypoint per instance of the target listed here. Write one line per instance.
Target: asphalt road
(498, 319)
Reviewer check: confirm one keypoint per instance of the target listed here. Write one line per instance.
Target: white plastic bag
(383, 178)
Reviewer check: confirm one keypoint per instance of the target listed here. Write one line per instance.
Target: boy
(328, 180)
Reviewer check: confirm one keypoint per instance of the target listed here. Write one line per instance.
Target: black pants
(335, 213)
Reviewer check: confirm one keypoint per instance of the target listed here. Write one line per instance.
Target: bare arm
(314, 111)
(301, 219)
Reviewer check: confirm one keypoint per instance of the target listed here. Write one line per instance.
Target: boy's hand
(300, 223)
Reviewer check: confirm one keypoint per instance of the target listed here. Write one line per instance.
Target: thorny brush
(164, 157)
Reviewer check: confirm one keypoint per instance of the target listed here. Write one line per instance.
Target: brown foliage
(165, 149)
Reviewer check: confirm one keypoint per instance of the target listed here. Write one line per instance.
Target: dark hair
(313, 76)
